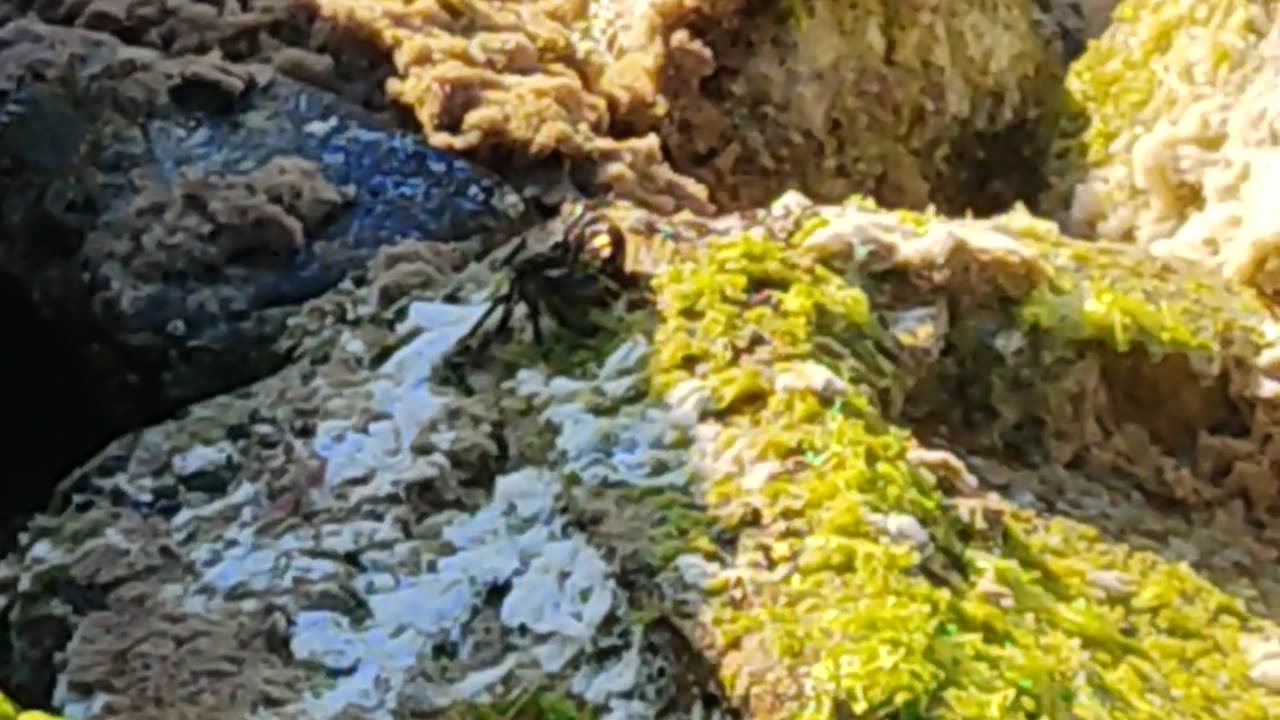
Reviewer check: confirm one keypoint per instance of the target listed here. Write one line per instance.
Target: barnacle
(829, 607)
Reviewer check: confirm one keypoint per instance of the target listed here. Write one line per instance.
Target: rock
(168, 215)
(1173, 152)
(712, 105)
(830, 460)
(286, 35)
(744, 489)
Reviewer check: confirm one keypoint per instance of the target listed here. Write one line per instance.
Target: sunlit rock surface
(766, 483)
(823, 461)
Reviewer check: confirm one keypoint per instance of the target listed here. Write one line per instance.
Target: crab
(585, 266)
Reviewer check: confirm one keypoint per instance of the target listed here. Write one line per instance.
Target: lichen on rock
(795, 496)
(822, 461)
(365, 513)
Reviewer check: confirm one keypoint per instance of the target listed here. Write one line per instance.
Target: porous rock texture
(286, 35)
(164, 216)
(765, 494)
(825, 461)
(1175, 146)
(700, 104)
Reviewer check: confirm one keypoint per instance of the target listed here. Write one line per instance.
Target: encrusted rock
(1172, 145)
(166, 216)
(768, 489)
(708, 104)
(826, 460)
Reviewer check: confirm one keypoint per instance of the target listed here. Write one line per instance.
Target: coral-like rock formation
(286, 35)
(796, 485)
(1175, 147)
(724, 103)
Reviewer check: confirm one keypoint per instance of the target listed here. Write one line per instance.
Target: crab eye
(602, 244)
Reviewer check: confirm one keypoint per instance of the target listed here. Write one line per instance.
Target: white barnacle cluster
(389, 579)
(455, 609)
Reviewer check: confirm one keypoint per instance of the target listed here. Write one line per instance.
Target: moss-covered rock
(846, 462)
(869, 581)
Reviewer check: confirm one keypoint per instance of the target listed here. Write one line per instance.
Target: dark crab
(585, 267)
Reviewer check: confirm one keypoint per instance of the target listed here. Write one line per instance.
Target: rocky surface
(289, 36)
(820, 461)
(722, 104)
(366, 535)
(1193, 177)
(168, 215)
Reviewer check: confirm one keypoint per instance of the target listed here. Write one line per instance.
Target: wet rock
(225, 195)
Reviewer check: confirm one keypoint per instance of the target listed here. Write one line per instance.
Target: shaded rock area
(55, 417)
(164, 217)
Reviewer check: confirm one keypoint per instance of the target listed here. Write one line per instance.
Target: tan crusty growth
(701, 103)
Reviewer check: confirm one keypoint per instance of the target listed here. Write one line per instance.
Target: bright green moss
(1126, 298)
(997, 619)
(10, 711)
(529, 705)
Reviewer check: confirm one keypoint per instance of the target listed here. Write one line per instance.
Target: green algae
(1127, 298)
(539, 704)
(10, 711)
(993, 619)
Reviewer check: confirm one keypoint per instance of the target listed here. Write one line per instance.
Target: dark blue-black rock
(166, 216)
